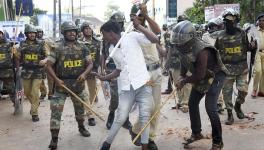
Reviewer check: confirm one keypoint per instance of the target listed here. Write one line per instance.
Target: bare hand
(136, 22)
(180, 83)
(100, 77)
(81, 78)
(59, 82)
(143, 10)
(43, 62)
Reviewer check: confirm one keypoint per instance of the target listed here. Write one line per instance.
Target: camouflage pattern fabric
(31, 54)
(9, 87)
(57, 104)
(233, 51)
(241, 85)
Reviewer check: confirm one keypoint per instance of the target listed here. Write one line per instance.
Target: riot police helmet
(30, 28)
(86, 24)
(118, 16)
(182, 33)
(68, 25)
(231, 14)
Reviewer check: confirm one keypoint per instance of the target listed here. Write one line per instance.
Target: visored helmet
(86, 24)
(182, 33)
(260, 16)
(181, 18)
(29, 28)
(68, 25)
(118, 17)
(231, 14)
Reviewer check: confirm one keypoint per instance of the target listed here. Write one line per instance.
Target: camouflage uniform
(233, 50)
(31, 52)
(69, 64)
(6, 69)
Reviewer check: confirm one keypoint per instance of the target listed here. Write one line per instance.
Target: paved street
(20, 133)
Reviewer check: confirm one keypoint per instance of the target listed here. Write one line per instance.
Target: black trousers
(211, 108)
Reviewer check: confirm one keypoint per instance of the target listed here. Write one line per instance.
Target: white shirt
(130, 60)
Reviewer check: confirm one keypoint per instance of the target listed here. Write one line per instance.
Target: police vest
(188, 56)
(71, 62)
(5, 56)
(31, 55)
(233, 51)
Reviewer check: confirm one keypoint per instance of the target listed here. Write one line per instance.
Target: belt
(154, 66)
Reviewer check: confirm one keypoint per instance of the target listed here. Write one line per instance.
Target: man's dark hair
(111, 26)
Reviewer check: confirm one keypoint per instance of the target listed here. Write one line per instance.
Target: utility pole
(59, 16)
(54, 18)
(80, 8)
(254, 10)
(72, 9)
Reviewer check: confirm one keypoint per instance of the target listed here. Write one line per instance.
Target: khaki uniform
(258, 83)
(31, 52)
(94, 49)
(152, 60)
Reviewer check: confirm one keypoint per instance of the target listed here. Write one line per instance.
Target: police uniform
(233, 50)
(7, 68)
(31, 52)
(93, 45)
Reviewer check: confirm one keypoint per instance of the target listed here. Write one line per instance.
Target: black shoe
(105, 146)
(84, 132)
(127, 125)
(217, 146)
(239, 112)
(50, 97)
(230, 118)
(35, 118)
(133, 136)
(53, 143)
(110, 120)
(220, 108)
(42, 98)
(152, 145)
(91, 122)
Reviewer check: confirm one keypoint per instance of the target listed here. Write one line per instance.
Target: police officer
(173, 64)
(119, 17)
(93, 45)
(7, 67)
(207, 77)
(233, 45)
(43, 89)
(215, 24)
(72, 63)
(32, 52)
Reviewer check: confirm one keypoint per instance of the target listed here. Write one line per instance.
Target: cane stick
(153, 116)
(81, 101)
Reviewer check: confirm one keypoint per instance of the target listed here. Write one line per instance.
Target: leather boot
(152, 145)
(127, 125)
(217, 146)
(54, 139)
(82, 129)
(110, 119)
(239, 112)
(105, 146)
(35, 118)
(230, 118)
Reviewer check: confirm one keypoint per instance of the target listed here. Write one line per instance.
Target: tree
(34, 18)
(110, 9)
(248, 10)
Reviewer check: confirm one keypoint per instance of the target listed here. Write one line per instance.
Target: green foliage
(248, 12)
(109, 11)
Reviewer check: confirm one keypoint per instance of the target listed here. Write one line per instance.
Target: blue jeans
(143, 96)
(211, 108)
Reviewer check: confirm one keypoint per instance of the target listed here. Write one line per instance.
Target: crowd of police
(198, 63)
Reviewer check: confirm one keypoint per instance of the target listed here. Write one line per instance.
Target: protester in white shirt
(133, 77)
